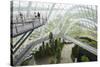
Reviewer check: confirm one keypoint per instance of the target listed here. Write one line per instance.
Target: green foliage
(89, 41)
(84, 58)
(52, 61)
(52, 48)
(75, 52)
(25, 62)
(51, 36)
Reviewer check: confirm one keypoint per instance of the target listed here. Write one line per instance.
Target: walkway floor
(66, 53)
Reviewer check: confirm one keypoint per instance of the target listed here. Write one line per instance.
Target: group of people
(36, 15)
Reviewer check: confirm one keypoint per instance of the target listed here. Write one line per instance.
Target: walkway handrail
(27, 50)
(26, 27)
(81, 44)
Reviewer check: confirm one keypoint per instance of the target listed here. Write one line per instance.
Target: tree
(75, 52)
(43, 48)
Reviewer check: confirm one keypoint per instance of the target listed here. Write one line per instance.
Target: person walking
(35, 14)
(21, 16)
(38, 14)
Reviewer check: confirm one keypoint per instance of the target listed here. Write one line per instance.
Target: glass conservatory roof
(66, 19)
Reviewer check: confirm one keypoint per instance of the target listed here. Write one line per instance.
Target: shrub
(84, 58)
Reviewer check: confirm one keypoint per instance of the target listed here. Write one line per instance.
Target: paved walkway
(66, 53)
